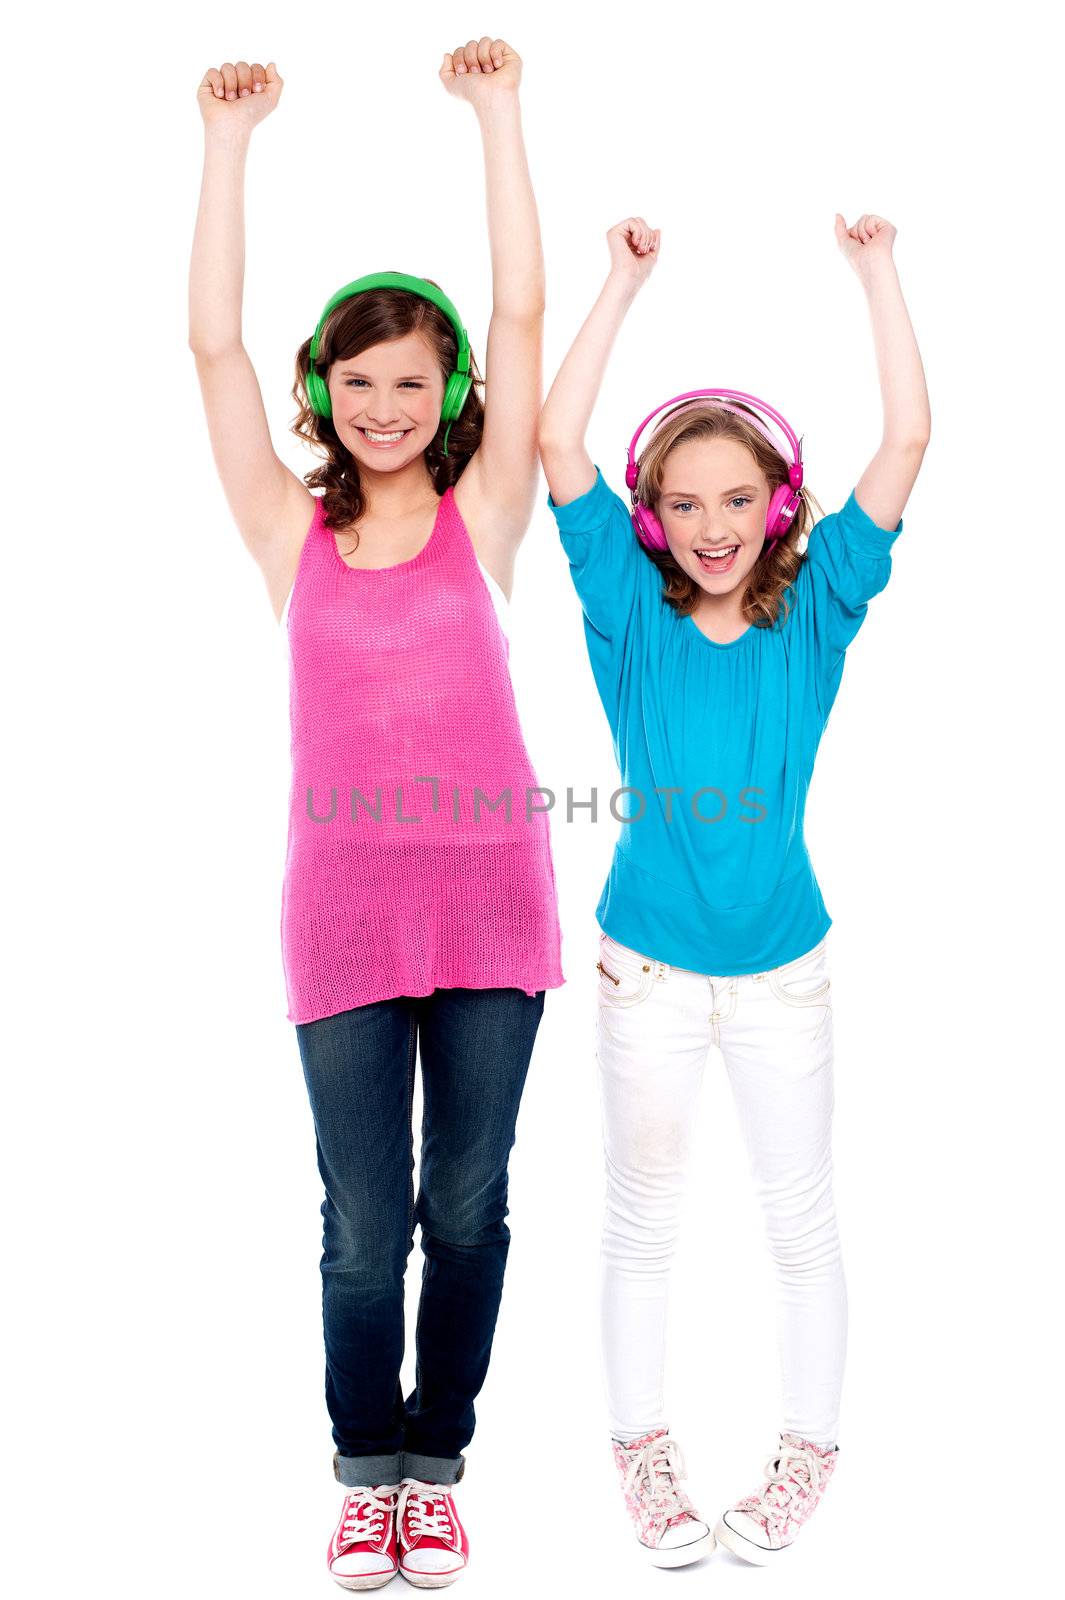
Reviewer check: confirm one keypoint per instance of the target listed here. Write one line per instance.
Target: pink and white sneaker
(433, 1548)
(362, 1551)
(650, 1469)
(796, 1478)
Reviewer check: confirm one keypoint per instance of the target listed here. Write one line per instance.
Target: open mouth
(718, 560)
(384, 441)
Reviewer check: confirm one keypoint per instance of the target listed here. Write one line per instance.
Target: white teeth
(386, 438)
(717, 555)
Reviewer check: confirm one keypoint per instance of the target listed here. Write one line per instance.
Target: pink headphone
(784, 501)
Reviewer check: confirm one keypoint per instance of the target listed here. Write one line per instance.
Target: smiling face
(386, 401)
(712, 507)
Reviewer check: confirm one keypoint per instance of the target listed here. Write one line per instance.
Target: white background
(164, 1417)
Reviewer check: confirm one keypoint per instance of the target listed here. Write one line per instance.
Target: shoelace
(424, 1506)
(365, 1511)
(784, 1484)
(658, 1467)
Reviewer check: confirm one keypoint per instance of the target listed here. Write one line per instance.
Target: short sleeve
(600, 544)
(848, 561)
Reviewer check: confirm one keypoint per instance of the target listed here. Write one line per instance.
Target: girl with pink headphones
(717, 612)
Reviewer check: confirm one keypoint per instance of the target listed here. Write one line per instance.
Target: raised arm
(499, 483)
(270, 505)
(569, 405)
(884, 487)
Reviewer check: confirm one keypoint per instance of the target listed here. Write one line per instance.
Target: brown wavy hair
(774, 570)
(366, 319)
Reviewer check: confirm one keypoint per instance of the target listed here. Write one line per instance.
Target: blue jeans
(475, 1047)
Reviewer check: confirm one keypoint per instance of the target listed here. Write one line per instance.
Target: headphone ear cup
(648, 528)
(783, 504)
(458, 387)
(318, 394)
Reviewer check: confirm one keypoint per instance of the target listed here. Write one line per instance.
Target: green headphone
(459, 381)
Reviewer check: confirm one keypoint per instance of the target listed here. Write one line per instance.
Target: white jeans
(656, 1024)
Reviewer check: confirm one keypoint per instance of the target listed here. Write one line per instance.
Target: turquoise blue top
(716, 876)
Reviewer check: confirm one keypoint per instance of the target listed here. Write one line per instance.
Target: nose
(382, 412)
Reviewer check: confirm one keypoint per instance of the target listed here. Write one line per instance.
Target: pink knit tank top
(418, 853)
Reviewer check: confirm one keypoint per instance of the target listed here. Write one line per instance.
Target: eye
(681, 504)
(349, 381)
(740, 499)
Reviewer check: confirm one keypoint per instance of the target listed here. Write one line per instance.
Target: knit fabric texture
(419, 852)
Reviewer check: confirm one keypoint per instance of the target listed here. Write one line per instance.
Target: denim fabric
(475, 1046)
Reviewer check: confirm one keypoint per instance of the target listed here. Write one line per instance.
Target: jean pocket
(804, 981)
(625, 977)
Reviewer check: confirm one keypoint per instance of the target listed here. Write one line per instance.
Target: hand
(240, 95)
(481, 70)
(633, 249)
(868, 244)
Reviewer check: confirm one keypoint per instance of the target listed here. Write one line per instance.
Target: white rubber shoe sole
(432, 1580)
(682, 1554)
(745, 1548)
(362, 1580)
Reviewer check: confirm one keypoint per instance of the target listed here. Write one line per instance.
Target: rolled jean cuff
(433, 1469)
(367, 1472)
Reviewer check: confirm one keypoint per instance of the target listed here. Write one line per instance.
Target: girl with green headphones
(431, 928)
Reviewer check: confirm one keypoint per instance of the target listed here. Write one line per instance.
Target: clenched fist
(238, 94)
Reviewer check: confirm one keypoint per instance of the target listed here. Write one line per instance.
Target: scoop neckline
(397, 566)
(716, 644)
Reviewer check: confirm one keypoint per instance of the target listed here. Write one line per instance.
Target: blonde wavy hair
(775, 569)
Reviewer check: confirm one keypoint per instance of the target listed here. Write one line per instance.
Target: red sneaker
(362, 1551)
(433, 1548)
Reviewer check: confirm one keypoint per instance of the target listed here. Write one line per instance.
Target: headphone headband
(632, 471)
(459, 381)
